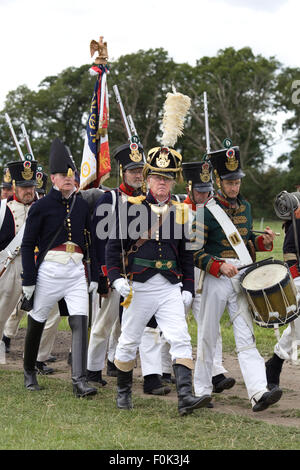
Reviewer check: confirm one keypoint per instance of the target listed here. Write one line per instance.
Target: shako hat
(23, 173)
(130, 156)
(198, 175)
(6, 182)
(226, 162)
(41, 180)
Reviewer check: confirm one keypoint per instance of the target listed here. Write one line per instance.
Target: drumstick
(257, 231)
(255, 263)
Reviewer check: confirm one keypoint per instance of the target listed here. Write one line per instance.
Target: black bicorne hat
(130, 156)
(227, 163)
(23, 173)
(199, 175)
(60, 159)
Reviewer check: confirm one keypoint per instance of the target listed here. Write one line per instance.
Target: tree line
(245, 93)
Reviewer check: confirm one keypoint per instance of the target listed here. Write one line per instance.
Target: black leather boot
(154, 386)
(111, 370)
(124, 384)
(187, 402)
(95, 378)
(31, 349)
(6, 341)
(221, 382)
(273, 371)
(79, 327)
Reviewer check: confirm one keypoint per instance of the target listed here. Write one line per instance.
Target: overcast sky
(43, 37)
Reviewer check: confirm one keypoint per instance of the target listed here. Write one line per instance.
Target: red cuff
(214, 269)
(104, 270)
(294, 271)
(260, 244)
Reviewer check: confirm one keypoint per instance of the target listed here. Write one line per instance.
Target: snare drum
(271, 294)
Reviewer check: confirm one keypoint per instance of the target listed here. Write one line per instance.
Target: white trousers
(218, 293)
(10, 291)
(56, 281)
(218, 367)
(113, 340)
(104, 337)
(284, 347)
(158, 297)
(101, 329)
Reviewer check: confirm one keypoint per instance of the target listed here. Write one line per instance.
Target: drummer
(284, 348)
(226, 232)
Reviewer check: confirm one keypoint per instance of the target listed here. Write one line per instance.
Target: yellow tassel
(128, 299)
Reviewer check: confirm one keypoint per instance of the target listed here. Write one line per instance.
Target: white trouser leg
(56, 281)
(156, 296)
(283, 348)
(218, 367)
(12, 324)
(49, 334)
(251, 363)
(166, 361)
(113, 340)
(101, 329)
(10, 291)
(213, 303)
(150, 352)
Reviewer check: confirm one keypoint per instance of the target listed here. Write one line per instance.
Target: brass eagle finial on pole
(101, 48)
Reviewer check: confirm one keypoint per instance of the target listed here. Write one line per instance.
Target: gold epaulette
(136, 199)
(182, 212)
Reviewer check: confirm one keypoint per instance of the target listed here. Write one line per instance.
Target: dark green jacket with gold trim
(215, 243)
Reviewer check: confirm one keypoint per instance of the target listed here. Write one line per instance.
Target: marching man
(59, 225)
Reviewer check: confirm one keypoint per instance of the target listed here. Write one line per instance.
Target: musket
(14, 136)
(202, 273)
(27, 142)
(132, 137)
(123, 115)
(206, 123)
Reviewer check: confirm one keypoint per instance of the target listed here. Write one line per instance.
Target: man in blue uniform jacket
(161, 273)
(59, 225)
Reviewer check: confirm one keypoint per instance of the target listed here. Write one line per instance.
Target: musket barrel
(14, 136)
(119, 102)
(131, 125)
(26, 137)
(206, 123)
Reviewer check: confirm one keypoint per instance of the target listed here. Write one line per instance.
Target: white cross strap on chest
(230, 231)
(2, 211)
(13, 248)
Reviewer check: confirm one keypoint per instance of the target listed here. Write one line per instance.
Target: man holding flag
(95, 165)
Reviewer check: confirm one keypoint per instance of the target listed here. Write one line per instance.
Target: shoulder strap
(230, 231)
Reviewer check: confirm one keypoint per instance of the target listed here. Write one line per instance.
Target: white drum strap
(230, 231)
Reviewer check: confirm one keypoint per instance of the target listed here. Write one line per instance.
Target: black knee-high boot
(79, 327)
(187, 402)
(124, 384)
(31, 349)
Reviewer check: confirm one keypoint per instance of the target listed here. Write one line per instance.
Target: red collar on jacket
(190, 203)
(128, 190)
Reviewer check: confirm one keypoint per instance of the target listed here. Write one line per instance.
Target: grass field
(54, 419)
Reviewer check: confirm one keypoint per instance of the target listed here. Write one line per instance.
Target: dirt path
(234, 401)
